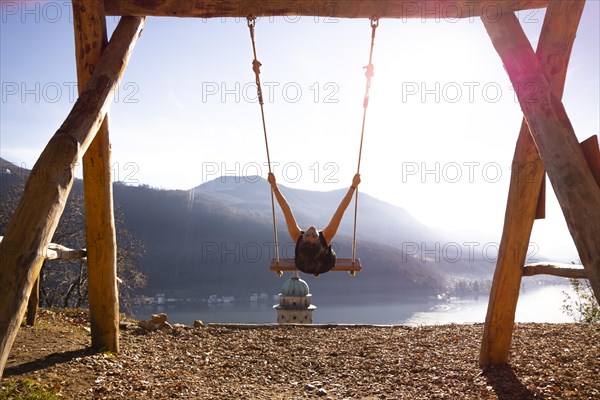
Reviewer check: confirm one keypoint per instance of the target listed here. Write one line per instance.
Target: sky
(440, 132)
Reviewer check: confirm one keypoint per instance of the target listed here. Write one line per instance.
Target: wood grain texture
(554, 49)
(90, 41)
(422, 9)
(50, 181)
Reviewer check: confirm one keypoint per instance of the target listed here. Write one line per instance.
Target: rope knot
(256, 66)
(370, 71)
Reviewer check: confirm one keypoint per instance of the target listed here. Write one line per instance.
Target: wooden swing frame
(546, 131)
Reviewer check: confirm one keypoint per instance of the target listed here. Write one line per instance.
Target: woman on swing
(313, 254)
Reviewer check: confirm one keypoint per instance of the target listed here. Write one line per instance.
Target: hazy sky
(441, 126)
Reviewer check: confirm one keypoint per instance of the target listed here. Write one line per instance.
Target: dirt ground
(296, 362)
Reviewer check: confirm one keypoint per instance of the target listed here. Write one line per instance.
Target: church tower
(294, 302)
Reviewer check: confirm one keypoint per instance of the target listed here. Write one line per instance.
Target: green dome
(295, 287)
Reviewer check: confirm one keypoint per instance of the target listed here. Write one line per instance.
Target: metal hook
(374, 21)
(251, 21)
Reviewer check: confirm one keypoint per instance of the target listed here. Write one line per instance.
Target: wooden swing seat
(341, 264)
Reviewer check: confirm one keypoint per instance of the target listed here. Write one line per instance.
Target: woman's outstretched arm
(290, 221)
(331, 229)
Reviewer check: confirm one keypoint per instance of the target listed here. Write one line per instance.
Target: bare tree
(64, 282)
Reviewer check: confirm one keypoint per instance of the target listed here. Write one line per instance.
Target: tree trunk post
(90, 41)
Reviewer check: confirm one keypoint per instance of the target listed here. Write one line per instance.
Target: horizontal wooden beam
(56, 251)
(421, 9)
(565, 271)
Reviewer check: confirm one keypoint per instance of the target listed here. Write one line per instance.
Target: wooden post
(50, 181)
(32, 304)
(553, 53)
(90, 40)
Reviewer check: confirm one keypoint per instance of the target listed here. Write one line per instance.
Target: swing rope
(369, 74)
(256, 68)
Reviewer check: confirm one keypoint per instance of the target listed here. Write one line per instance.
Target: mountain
(378, 221)
(217, 238)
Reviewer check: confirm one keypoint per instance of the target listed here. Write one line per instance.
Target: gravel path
(297, 362)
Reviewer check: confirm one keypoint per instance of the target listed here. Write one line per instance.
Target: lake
(538, 304)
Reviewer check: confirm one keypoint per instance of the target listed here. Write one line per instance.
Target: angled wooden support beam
(90, 41)
(568, 171)
(422, 9)
(50, 181)
(554, 50)
(565, 271)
